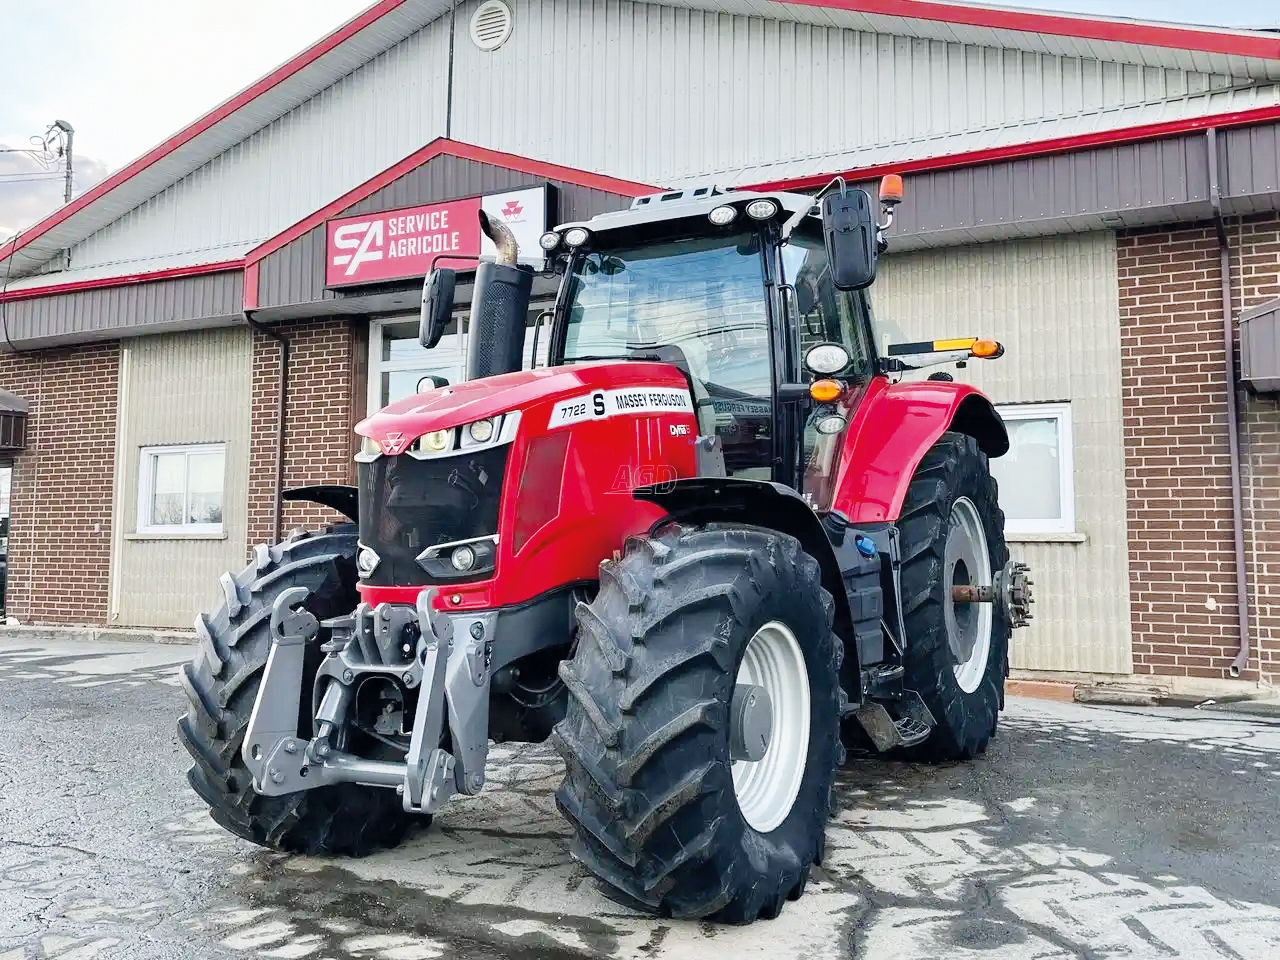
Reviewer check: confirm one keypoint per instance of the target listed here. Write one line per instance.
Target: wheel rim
(968, 624)
(766, 789)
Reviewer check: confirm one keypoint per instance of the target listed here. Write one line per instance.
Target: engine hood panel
(463, 403)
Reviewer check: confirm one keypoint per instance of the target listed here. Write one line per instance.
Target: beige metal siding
(671, 94)
(660, 95)
(176, 389)
(1054, 305)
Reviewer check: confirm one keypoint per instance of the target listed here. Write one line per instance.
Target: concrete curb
(94, 635)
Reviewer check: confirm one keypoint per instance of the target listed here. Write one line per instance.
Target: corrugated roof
(1138, 116)
(1236, 52)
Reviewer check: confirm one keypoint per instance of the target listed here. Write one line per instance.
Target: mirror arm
(898, 365)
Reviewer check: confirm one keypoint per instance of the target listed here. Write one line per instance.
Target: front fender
(890, 432)
(335, 496)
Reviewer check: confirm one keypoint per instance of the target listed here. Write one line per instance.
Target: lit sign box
(401, 244)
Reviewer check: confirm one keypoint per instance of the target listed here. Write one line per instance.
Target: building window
(1037, 488)
(180, 489)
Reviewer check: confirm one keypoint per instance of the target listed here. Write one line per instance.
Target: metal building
(1074, 186)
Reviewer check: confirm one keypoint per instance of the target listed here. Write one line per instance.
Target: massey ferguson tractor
(721, 536)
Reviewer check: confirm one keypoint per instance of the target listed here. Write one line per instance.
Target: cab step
(913, 724)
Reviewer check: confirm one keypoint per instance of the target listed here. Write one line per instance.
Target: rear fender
(893, 428)
(762, 503)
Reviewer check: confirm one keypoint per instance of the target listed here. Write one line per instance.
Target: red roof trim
(173, 273)
(1066, 25)
(453, 148)
(251, 286)
(1038, 148)
(214, 116)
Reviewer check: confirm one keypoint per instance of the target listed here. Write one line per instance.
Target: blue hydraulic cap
(866, 546)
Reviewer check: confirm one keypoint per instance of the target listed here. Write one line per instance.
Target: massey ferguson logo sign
(401, 244)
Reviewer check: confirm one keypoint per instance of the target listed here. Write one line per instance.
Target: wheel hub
(750, 722)
(966, 568)
(769, 735)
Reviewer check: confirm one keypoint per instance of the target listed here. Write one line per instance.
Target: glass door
(399, 367)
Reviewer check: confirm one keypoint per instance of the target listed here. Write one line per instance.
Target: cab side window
(826, 314)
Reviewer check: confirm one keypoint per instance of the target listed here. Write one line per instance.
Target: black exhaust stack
(499, 307)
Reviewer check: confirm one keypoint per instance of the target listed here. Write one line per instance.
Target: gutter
(1241, 659)
(277, 481)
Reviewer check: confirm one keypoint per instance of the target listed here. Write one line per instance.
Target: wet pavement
(1085, 832)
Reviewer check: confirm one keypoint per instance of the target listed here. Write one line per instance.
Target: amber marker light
(824, 391)
(891, 189)
(987, 349)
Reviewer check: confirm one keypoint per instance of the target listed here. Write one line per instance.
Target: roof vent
(491, 25)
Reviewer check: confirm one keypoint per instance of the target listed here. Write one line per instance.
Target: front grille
(407, 505)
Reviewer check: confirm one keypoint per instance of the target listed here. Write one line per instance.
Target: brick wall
(60, 530)
(1256, 280)
(323, 406)
(1181, 553)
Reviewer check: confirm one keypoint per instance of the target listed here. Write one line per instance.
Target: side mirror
(437, 306)
(849, 228)
(431, 382)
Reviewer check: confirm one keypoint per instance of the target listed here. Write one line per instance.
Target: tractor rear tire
(953, 494)
(649, 786)
(221, 684)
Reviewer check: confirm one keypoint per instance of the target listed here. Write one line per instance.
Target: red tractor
(716, 534)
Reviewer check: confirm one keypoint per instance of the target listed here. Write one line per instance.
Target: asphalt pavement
(1084, 832)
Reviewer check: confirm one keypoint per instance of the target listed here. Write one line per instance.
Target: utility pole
(68, 136)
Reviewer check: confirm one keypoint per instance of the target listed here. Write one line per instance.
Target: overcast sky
(128, 73)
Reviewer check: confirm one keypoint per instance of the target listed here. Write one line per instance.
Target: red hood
(463, 403)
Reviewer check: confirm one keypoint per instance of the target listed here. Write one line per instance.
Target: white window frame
(1061, 412)
(378, 366)
(146, 491)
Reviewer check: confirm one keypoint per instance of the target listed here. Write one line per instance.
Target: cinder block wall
(324, 403)
(60, 530)
(1181, 555)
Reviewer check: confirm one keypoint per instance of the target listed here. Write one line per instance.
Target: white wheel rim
(967, 562)
(766, 789)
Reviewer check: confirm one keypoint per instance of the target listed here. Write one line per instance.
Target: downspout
(277, 482)
(1233, 416)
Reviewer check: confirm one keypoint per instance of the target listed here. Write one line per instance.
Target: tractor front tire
(661, 813)
(952, 533)
(221, 684)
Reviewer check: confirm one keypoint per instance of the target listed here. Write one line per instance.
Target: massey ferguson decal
(612, 403)
(401, 244)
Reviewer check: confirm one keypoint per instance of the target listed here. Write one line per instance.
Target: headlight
(827, 358)
(761, 209)
(576, 237)
(481, 431)
(369, 450)
(463, 559)
(722, 216)
(366, 561)
(832, 424)
(429, 444)
(436, 441)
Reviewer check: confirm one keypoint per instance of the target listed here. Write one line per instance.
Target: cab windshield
(697, 302)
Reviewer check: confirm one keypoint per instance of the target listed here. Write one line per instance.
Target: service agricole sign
(401, 244)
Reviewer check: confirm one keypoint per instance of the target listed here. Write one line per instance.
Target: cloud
(31, 190)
